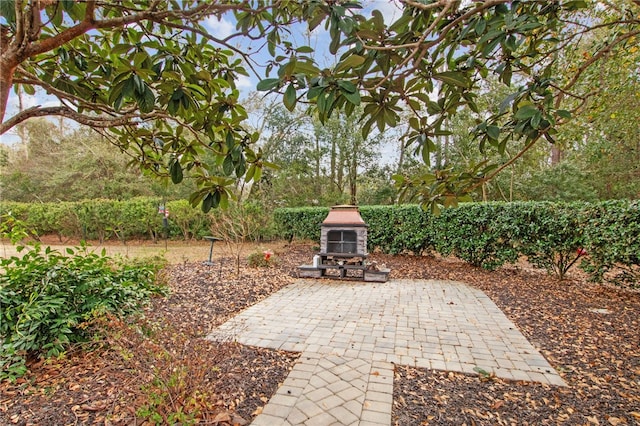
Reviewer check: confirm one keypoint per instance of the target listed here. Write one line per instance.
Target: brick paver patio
(352, 333)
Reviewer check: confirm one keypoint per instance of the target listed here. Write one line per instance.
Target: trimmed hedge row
(138, 218)
(484, 234)
(553, 236)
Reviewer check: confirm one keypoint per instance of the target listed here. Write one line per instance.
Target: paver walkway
(351, 334)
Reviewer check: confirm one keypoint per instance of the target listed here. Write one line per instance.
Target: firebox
(343, 248)
(342, 242)
(343, 233)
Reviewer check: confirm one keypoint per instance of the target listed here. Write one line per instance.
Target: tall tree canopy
(149, 74)
(145, 73)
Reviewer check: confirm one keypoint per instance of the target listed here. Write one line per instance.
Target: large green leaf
(228, 166)
(146, 100)
(526, 111)
(290, 99)
(268, 84)
(453, 78)
(351, 61)
(175, 170)
(354, 98)
(493, 132)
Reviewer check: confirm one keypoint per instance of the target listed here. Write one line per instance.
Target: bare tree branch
(507, 164)
(60, 94)
(64, 111)
(435, 5)
(605, 50)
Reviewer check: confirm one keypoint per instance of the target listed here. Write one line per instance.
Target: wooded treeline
(596, 157)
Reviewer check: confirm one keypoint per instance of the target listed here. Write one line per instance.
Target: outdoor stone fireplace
(343, 233)
(343, 248)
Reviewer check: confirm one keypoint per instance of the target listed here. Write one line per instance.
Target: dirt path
(174, 251)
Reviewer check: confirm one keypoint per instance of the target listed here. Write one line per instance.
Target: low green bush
(262, 259)
(550, 235)
(300, 222)
(47, 298)
(611, 239)
(189, 222)
(477, 233)
(398, 229)
(553, 236)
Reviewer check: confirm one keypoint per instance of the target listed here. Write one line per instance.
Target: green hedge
(137, 218)
(550, 235)
(300, 222)
(484, 234)
(611, 236)
(392, 229)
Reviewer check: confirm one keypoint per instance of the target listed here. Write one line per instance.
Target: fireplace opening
(343, 249)
(342, 241)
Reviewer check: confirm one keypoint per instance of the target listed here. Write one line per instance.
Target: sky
(222, 28)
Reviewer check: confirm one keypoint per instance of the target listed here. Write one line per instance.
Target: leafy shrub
(97, 218)
(261, 220)
(379, 220)
(190, 222)
(300, 222)
(62, 219)
(398, 229)
(47, 299)
(551, 235)
(262, 259)
(138, 218)
(611, 234)
(477, 233)
(18, 211)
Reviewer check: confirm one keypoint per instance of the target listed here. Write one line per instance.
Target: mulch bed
(589, 333)
(158, 367)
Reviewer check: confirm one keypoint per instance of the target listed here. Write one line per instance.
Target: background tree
(604, 141)
(288, 144)
(434, 59)
(319, 164)
(146, 74)
(350, 153)
(54, 164)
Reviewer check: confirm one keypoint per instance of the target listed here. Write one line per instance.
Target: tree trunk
(354, 196)
(332, 165)
(401, 158)
(445, 150)
(438, 154)
(556, 155)
(317, 164)
(339, 176)
(21, 129)
(6, 81)
(511, 181)
(353, 176)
